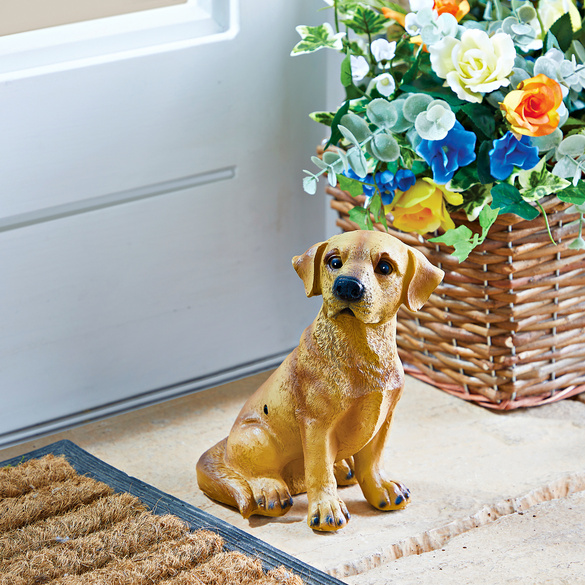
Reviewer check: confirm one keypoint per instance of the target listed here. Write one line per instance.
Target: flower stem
(336, 16)
(546, 221)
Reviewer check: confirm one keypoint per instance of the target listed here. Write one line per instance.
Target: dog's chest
(361, 420)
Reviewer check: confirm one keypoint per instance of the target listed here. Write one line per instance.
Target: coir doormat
(67, 518)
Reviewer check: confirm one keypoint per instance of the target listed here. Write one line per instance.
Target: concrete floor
(496, 498)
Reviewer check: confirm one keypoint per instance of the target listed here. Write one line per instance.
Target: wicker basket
(506, 326)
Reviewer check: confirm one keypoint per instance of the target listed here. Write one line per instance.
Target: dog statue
(322, 418)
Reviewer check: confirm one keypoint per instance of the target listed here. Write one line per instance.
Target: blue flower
(367, 182)
(509, 152)
(404, 180)
(445, 156)
(385, 182)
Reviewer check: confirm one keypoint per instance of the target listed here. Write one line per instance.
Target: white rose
(475, 65)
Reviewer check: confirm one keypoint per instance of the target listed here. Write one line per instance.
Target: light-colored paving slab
(465, 466)
(544, 545)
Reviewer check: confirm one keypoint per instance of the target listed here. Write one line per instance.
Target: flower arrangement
(454, 105)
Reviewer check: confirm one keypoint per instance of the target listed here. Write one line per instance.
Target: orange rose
(531, 109)
(458, 8)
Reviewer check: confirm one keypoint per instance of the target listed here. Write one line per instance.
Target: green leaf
(376, 206)
(577, 244)
(333, 157)
(356, 125)
(574, 195)
(359, 105)
(577, 48)
(550, 42)
(487, 218)
(464, 178)
(384, 147)
(323, 117)
(314, 38)
(562, 29)
(357, 161)
(409, 159)
(417, 166)
(415, 104)
(573, 123)
(348, 135)
(310, 184)
(538, 182)
(336, 135)
(476, 199)
(318, 162)
(382, 113)
(483, 163)
(451, 237)
(433, 87)
(360, 216)
(352, 186)
(346, 76)
(461, 238)
(481, 119)
(366, 21)
(411, 74)
(509, 200)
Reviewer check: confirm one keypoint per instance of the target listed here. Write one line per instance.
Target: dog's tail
(222, 483)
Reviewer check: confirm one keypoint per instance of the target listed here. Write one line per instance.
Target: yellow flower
(422, 208)
(550, 11)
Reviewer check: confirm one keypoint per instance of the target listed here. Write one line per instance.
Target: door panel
(150, 208)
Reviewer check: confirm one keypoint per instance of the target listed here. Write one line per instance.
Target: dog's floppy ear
(422, 279)
(307, 266)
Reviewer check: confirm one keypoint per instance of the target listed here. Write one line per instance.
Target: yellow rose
(550, 11)
(422, 208)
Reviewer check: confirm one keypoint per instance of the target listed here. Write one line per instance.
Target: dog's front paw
(386, 494)
(327, 514)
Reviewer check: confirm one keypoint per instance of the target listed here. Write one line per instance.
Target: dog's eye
(384, 267)
(335, 263)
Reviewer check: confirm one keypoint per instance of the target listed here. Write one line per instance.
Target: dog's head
(367, 275)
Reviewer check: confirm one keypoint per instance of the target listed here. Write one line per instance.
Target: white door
(150, 204)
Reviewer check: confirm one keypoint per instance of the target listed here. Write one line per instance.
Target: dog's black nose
(348, 288)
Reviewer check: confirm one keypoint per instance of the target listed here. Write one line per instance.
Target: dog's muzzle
(348, 288)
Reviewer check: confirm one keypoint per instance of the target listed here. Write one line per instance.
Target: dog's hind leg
(254, 453)
(344, 472)
(258, 491)
(222, 483)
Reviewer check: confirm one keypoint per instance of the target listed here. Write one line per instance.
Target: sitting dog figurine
(322, 418)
